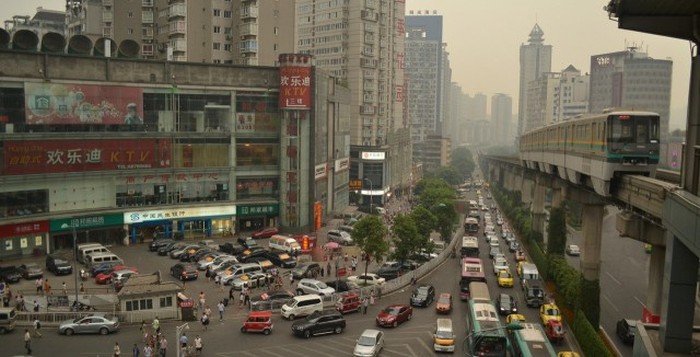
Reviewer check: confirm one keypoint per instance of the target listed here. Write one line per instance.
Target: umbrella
(331, 245)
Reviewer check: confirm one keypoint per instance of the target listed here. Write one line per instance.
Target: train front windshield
(634, 129)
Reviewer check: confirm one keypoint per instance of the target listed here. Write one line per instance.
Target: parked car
(506, 305)
(323, 322)
(266, 232)
(247, 254)
(254, 280)
(313, 286)
(391, 272)
(444, 303)
(306, 270)
(230, 248)
(247, 242)
(423, 295)
(573, 250)
(340, 237)
(166, 249)
(394, 315)
(159, 243)
(208, 243)
(58, 264)
(367, 279)
(184, 271)
(216, 262)
(31, 271)
(341, 285)
(95, 323)
(106, 267)
(369, 344)
(10, 274)
(176, 253)
(105, 277)
(626, 329)
(282, 260)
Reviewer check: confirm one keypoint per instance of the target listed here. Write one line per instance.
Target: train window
(641, 133)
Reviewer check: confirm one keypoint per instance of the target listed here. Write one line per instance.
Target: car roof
(370, 333)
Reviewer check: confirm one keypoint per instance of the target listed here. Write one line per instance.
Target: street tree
(425, 222)
(463, 161)
(407, 239)
(369, 233)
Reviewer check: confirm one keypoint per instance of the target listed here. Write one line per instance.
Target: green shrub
(588, 338)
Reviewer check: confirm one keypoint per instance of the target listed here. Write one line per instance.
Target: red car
(394, 315)
(265, 232)
(106, 277)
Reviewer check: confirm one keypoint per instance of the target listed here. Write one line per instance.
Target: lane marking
(613, 278)
(610, 302)
(639, 301)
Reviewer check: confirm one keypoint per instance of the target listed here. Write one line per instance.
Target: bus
(472, 271)
(470, 247)
(531, 342)
(486, 335)
(471, 225)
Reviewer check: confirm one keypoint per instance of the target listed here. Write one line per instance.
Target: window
(217, 12)
(131, 14)
(216, 45)
(217, 29)
(227, 14)
(130, 31)
(143, 304)
(227, 47)
(228, 30)
(166, 301)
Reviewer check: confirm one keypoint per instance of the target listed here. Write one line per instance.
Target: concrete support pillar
(592, 237)
(557, 197)
(509, 181)
(526, 191)
(656, 278)
(538, 216)
(680, 278)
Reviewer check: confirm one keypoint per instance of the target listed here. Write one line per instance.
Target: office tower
(535, 59)
(540, 106)
(501, 115)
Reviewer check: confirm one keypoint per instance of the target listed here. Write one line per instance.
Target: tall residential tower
(535, 60)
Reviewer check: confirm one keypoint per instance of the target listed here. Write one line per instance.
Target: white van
(444, 337)
(88, 245)
(102, 257)
(529, 272)
(84, 252)
(284, 244)
(302, 305)
(238, 270)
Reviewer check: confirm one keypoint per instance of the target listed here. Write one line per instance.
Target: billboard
(52, 156)
(65, 103)
(295, 81)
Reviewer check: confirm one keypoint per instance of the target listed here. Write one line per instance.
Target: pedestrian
(291, 280)
(221, 310)
(36, 306)
(322, 271)
(82, 288)
(365, 304)
(207, 310)
(231, 296)
(217, 280)
(20, 303)
(143, 326)
(163, 346)
(371, 297)
(65, 288)
(147, 351)
(413, 280)
(155, 325)
(39, 283)
(328, 269)
(117, 350)
(135, 351)
(28, 341)
(37, 327)
(241, 299)
(183, 340)
(379, 292)
(47, 287)
(246, 299)
(202, 300)
(205, 321)
(198, 345)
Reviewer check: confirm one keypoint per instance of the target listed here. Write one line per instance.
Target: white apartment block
(540, 106)
(571, 97)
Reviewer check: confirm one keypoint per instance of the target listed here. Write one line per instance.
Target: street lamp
(178, 333)
(371, 193)
(72, 225)
(513, 326)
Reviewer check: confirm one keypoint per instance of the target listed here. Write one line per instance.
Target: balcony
(107, 2)
(249, 46)
(147, 17)
(179, 45)
(249, 12)
(144, 3)
(369, 15)
(178, 27)
(177, 10)
(368, 63)
(367, 109)
(248, 29)
(107, 16)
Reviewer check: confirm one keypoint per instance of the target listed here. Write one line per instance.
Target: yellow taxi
(505, 278)
(549, 311)
(519, 269)
(568, 354)
(515, 317)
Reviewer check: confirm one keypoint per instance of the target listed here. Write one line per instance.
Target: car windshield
(443, 300)
(443, 334)
(552, 312)
(392, 310)
(365, 341)
(421, 291)
(322, 285)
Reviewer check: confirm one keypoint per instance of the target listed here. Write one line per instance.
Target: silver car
(254, 280)
(340, 237)
(95, 323)
(369, 344)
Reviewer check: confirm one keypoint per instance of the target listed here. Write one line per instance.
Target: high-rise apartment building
(362, 43)
(571, 97)
(633, 80)
(458, 114)
(501, 116)
(535, 60)
(250, 32)
(423, 80)
(540, 106)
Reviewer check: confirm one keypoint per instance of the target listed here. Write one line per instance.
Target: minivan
(238, 270)
(302, 305)
(284, 244)
(102, 257)
(84, 252)
(8, 315)
(444, 337)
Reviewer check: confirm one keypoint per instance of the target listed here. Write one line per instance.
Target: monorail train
(592, 150)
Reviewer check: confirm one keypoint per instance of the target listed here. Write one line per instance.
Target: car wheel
(307, 334)
(266, 331)
(291, 317)
(396, 323)
(69, 331)
(300, 292)
(104, 331)
(338, 329)
(243, 329)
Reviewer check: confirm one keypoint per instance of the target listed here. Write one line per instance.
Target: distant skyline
(483, 39)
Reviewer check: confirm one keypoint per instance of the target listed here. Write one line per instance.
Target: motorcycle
(79, 306)
(84, 275)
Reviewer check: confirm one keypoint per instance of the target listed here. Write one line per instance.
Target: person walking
(47, 287)
(241, 299)
(36, 306)
(155, 325)
(328, 269)
(143, 326)
(28, 341)
(184, 340)
(163, 344)
(65, 288)
(371, 297)
(291, 280)
(231, 297)
(37, 327)
(202, 300)
(198, 345)
(205, 321)
(147, 351)
(220, 306)
(365, 304)
(135, 351)
(39, 283)
(117, 350)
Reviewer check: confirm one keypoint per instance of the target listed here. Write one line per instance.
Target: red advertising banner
(295, 81)
(20, 229)
(52, 156)
(57, 103)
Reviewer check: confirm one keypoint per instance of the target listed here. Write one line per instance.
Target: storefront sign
(320, 171)
(295, 81)
(342, 164)
(86, 222)
(55, 156)
(65, 103)
(257, 210)
(369, 155)
(178, 213)
(355, 185)
(20, 229)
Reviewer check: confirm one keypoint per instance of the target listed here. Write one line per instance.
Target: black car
(247, 242)
(322, 322)
(230, 248)
(391, 272)
(306, 270)
(164, 250)
(158, 243)
(184, 271)
(625, 330)
(282, 260)
(423, 295)
(189, 255)
(249, 254)
(341, 285)
(103, 268)
(506, 305)
(270, 300)
(58, 265)
(10, 274)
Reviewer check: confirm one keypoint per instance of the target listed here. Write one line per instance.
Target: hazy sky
(484, 37)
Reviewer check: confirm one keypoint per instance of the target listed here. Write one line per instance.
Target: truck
(534, 292)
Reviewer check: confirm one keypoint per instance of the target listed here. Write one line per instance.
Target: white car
(369, 344)
(493, 241)
(313, 286)
(367, 279)
(499, 263)
(573, 250)
(340, 237)
(216, 263)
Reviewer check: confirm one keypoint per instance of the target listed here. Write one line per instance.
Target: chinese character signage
(368, 155)
(86, 222)
(21, 229)
(147, 215)
(258, 210)
(295, 81)
(52, 156)
(64, 103)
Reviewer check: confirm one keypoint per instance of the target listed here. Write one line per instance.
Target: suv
(534, 293)
(184, 271)
(306, 270)
(313, 286)
(58, 265)
(340, 237)
(10, 274)
(322, 322)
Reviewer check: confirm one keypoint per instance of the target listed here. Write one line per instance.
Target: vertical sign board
(295, 81)
(317, 215)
